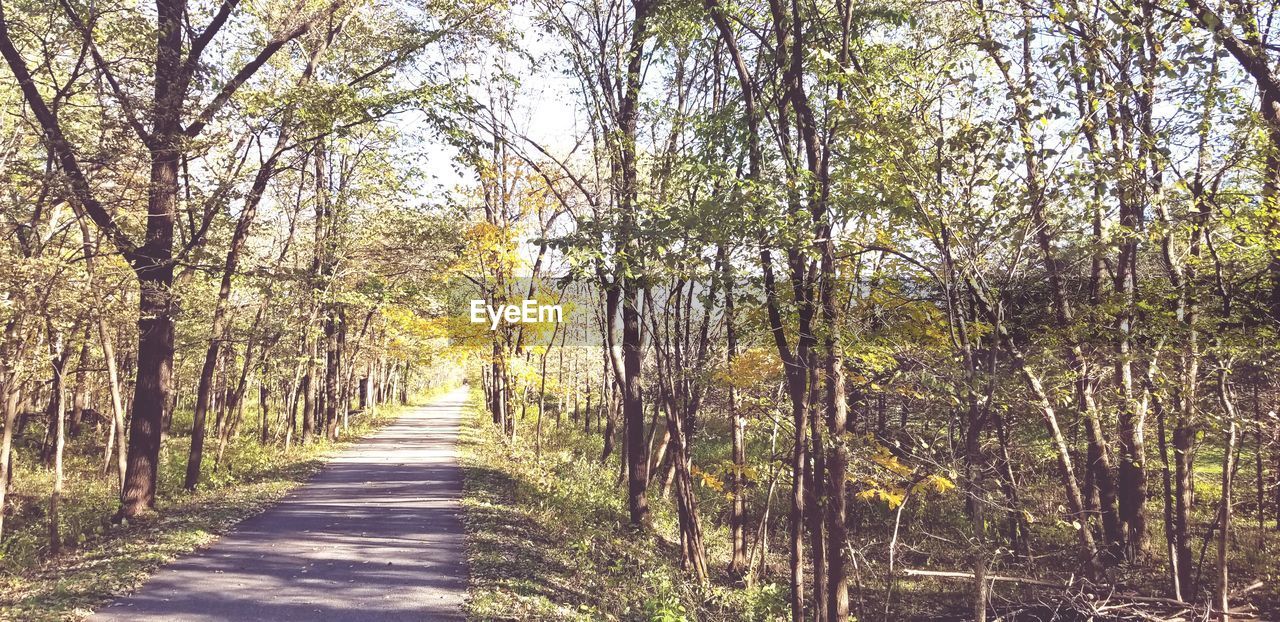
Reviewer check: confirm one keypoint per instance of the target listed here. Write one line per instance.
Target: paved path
(374, 536)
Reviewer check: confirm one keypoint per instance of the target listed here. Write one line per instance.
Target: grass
(548, 539)
(101, 561)
(547, 533)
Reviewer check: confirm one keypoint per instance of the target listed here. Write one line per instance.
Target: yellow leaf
(892, 498)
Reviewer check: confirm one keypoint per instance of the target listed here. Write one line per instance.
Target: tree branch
(130, 114)
(206, 36)
(250, 69)
(1253, 64)
(57, 143)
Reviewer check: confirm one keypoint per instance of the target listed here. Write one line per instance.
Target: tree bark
(80, 398)
(57, 421)
(628, 205)
(837, 458)
(263, 396)
(11, 394)
(340, 363)
(1223, 593)
(309, 389)
(738, 511)
(117, 409)
(56, 408)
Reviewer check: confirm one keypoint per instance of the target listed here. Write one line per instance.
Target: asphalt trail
(376, 535)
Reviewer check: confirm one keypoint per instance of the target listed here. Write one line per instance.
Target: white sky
(546, 105)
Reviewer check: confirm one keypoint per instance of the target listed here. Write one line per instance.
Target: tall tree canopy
(979, 291)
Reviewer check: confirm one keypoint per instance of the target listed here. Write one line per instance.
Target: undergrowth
(101, 560)
(548, 539)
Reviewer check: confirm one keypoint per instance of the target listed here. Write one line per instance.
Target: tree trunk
(612, 373)
(610, 433)
(152, 262)
(310, 407)
(57, 421)
(12, 406)
(633, 410)
(117, 409)
(977, 516)
(816, 506)
(1019, 528)
(344, 387)
(11, 403)
(56, 407)
(738, 511)
(152, 386)
(1132, 479)
(1184, 438)
(497, 388)
(263, 395)
(80, 399)
(626, 168)
(1183, 444)
(837, 459)
(799, 458)
(693, 556)
(332, 360)
(1223, 592)
(1166, 477)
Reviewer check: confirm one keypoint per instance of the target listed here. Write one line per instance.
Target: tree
(164, 131)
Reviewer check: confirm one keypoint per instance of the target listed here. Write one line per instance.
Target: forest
(898, 309)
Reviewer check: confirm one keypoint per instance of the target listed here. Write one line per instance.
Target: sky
(546, 109)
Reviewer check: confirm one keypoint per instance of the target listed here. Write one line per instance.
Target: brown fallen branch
(1243, 610)
(1086, 597)
(1245, 590)
(949, 574)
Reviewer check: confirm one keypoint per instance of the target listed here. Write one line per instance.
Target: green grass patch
(548, 538)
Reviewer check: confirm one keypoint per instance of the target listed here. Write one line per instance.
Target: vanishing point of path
(376, 535)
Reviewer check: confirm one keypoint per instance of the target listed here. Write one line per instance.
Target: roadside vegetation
(548, 539)
(102, 560)
(181, 348)
(874, 310)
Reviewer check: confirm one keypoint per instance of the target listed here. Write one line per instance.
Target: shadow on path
(376, 535)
